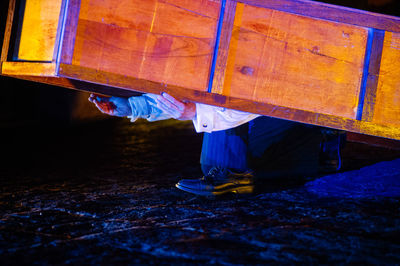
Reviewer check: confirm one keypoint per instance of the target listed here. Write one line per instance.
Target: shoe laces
(215, 173)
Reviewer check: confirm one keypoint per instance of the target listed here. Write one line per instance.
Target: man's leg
(272, 147)
(225, 149)
(224, 163)
(279, 148)
(231, 148)
(224, 156)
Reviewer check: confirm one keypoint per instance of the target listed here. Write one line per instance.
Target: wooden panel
(330, 12)
(80, 85)
(271, 61)
(373, 141)
(387, 105)
(140, 85)
(29, 68)
(223, 49)
(7, 31)
(62, 24)
(166, 41)
(70, 29)
(370, 82)
(294, 61)
(39, 30)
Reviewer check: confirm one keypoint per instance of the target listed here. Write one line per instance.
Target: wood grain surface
(70, 29)
(293, 114)
(7, 31)
(165, 41)
(366, 107)
(330, 12)
(270, 62)
(79, 85)
(29, 68)
(223, 52)
(295, 61)
(387, 105)
(39, 30)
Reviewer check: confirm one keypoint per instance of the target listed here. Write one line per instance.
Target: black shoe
(330, 158)
(219, 181)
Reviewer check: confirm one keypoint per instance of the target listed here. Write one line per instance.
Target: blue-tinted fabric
(145, 106)
(225, 149)
(269, 146)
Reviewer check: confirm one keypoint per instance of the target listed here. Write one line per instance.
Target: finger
(95, 95)
(95, 101)
(106, 107)
(167, 103)
(101, 98)
(91, 97)
(174, 113)
(179, 104)
(99, 107)
(170, 108)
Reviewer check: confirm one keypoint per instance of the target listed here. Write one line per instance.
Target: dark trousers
(268, 146)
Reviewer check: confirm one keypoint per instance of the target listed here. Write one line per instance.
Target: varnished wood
(270, 62)
(140, 85)
(373, 141)
(79, 85)
(113, 91)
(28, 69)
(330, 12)
(387, 103)
(60, 31)
(159, 40)
(7, 32)
(294, 61)
(372, 76)
(71, 24)
(222, 56)
(39, 30)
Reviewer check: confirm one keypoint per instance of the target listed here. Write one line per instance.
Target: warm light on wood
(295, 61)
(387, 105)
(29, 69)
(168, 41)
(39, 30)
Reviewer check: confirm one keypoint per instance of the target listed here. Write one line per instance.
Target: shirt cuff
(213, 118)
(204, 119)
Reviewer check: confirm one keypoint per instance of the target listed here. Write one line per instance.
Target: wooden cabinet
(293, 59)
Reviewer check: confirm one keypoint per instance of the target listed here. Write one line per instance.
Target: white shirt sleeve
(212, 118)
(208, 118)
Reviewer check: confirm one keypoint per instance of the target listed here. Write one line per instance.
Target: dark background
(25, 103)
(102, 192)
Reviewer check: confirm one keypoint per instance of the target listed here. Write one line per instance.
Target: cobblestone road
(104, 193)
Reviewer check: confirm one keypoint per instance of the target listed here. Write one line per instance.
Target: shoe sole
(248, 189)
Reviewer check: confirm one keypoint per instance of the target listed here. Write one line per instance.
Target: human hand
(180, 110)
(115, 106)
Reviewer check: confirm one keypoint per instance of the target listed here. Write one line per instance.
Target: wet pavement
(103, 193)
